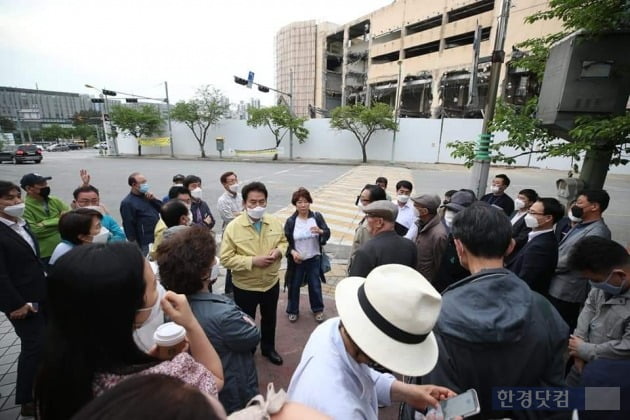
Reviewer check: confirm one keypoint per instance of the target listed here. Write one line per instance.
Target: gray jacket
(234, 335)
(568, 285)
(604, 324)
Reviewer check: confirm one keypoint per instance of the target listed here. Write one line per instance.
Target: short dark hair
(376, 192)
(6, 187)
(504, 177)
(155, 396)
(172, 211)
(225, 176)
(301, 193)
(191, 179)
(530, 194)
(185, 258)
(132, 179)
(484, 230)
(381, 180)
(85, 189)
(552, 207)
(176, 190)
(449, 193)
(178, 178)
(404, 184)
(77, 222)
(253, 186)
(597, 254)
(600, 197)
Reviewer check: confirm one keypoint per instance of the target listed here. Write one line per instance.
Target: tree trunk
(275, 157)
(364, 153)
(203, 152)
(139, 149)
(595, 167)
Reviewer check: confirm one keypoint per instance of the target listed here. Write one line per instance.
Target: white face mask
(495, 189)
(214, 273)
(360, 206)
(235, 188)
(448, 217)
(143, 336)
(16, 210)
(256, 213)
(531, 221)
(190, 218)
(97, 208)
(574, 219)
(402, 198)
(197, 193)
(519, 204)
(102, 237)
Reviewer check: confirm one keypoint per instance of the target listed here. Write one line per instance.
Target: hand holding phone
(462, 405)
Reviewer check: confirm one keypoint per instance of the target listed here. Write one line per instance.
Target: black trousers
(569, 311)
(31, 331)
(248, 301)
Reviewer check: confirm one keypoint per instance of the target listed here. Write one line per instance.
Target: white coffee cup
(170, 339)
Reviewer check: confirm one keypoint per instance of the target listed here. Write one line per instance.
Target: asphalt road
(110, 175)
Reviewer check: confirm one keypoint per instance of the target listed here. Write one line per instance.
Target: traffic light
(97, 100)
(131, 100)
(106, 117)
(240, 81)
(263, 88)
(109, 92)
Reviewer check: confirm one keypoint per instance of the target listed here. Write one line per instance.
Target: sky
(135, 45)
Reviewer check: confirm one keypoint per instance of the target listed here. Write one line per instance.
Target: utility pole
(170, 128)
(397, 107)
(481, 167)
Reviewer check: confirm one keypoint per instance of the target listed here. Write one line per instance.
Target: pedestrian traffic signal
(97, 100)
(263, 88)
(240, 81)
(109, 92)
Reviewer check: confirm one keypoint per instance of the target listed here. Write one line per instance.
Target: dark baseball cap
(460, 200)
(32, 179)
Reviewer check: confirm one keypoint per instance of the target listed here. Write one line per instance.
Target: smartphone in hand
(463, 405)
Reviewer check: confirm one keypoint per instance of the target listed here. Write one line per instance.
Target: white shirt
(18, 227)
(406, 214)
(330, 381)
(531, 235)
(61, 248)
(227, 205)
(306, 242)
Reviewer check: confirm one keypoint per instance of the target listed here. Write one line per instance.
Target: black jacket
(450, 271)
(289, 225)
(493, 331)
(536, 262)
(200, 211)
(520, 234)
(504, 201)
(22, 273)
(384, 248)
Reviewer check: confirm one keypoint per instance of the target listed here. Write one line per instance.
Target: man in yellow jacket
(252, 247)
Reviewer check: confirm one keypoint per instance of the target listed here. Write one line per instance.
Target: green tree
(139, 122)
(206, 109)
(600, 139)
(280, 121)
(363, 121)
(7, 125)
(53, 133)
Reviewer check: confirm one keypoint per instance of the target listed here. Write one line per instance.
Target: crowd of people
(453, 294)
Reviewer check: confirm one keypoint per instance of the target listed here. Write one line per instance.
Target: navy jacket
(234, 335)
(504, 201)
(22, 273)
(536, 262)
(200, 212)
(139, 217)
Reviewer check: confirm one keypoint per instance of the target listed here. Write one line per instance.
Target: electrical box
(220, 144)
(584, 76)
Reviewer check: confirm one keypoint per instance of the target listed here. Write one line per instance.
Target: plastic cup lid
(169, 334)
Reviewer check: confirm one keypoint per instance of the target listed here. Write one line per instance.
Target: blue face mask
(144, 188)
(607, 287)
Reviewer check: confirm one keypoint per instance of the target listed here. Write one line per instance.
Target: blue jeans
(308, 271)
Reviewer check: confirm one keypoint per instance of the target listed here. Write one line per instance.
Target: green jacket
(43, 221)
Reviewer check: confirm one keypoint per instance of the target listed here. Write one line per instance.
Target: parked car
(21, 153)
(74, 146)
(58, 147)
(101, 145)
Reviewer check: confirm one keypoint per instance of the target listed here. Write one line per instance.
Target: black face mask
(577, 212)
(44, 192)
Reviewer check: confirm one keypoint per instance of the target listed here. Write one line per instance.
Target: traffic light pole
(170, 128)
(481, 167)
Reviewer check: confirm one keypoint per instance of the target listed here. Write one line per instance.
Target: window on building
(472, 9)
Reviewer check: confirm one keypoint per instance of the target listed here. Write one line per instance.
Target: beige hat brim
(406, 359)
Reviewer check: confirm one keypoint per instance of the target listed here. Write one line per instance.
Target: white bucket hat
(390, 315)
